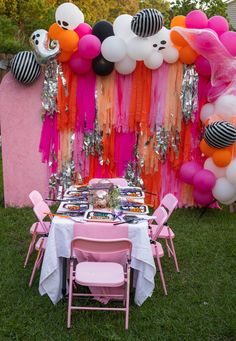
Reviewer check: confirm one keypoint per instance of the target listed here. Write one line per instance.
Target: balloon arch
(134, 98)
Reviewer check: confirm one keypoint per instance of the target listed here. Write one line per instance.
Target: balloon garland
(139, 104)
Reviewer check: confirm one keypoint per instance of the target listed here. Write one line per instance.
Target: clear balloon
(223, 190)
(68, 16)
(154, 60)
(139, 48)
(122, 27)
(125, 66)
(43, 49)
(113, 49)
(207, 111)
(219, 172)
(231, 172)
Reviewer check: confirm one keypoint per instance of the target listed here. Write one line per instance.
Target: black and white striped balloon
(147, 22)
(220, 134)
(24, 67)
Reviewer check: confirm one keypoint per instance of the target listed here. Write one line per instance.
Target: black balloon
(25, 67)
(101, 66)
(103, 29)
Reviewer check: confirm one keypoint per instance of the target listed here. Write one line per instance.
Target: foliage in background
(18, 19)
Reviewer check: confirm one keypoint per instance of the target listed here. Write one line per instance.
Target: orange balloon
(177, 39)
(222, 157)
(187, 55)
(179, 20)
(68, 40)
(206, 149)
(54, 31)
(64, 56)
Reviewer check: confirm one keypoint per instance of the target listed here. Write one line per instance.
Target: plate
(76, 207)
(77, 194)
(131, 192)
(134, 208)
(101, 216)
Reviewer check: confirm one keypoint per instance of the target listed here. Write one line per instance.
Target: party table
(58, 248)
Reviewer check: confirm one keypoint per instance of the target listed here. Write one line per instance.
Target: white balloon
(223, 190)
(113, 49)
(139, 48)
(229, 202)
(125, 66)
(226, 106)
(231, 172)
(122, 27)
(170, 54)
(207, 111)
(69, 16)
(154, 60)
(219, 172)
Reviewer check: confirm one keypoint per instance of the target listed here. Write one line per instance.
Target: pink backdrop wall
(20, 117)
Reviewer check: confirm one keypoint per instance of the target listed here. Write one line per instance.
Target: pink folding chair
(169, 202)
(102, 264)
(116, 181)
(42, 228)
(157, 249)
(35, 197)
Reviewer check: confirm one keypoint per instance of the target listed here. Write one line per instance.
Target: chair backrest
(169, 202)
(35, 197)
(100, 231)
(41, 210)
(116, 181)
(161, 218)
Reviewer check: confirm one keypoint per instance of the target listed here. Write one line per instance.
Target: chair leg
(127, 300)
(174, 255)
(70, 295)
(168, 248)
(37, 263)
(30, 249)
(161, 275)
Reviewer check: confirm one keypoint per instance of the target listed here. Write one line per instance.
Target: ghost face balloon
(43, 49)
(69, 16)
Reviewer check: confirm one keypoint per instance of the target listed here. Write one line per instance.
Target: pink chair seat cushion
(101, 274)
(159, 249)
(164, 232)
(37, 245)
(40, 229)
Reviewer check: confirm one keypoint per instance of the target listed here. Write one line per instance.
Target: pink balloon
(219, 24)
(203, 66)
(83, 29)
(89, 46)
(79, 65)
(204, 180)
(196, 19)
(202, 198)
(188, 170)
(228, 39)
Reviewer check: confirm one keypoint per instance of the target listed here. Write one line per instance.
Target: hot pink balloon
(228, 39)
(80, 65)
(196, 19)
(89, 46)
(201, 198)
(83, 29)
(219, 24)
(188, 170)
(204, 180)
(203, 66)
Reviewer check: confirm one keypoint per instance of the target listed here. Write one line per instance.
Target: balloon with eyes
(44, 50)
(162, 50)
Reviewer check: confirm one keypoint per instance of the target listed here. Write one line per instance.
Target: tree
(210, 7)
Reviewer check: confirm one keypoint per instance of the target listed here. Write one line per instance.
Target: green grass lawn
(201, 304)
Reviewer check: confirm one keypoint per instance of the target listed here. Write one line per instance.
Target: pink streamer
(124, 151)
(85, 102)
(49, 142)
(122, 101)
(80, 159)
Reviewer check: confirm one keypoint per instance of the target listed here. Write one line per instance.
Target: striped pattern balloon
(220, 134)
(24, 67)
(147, 22)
